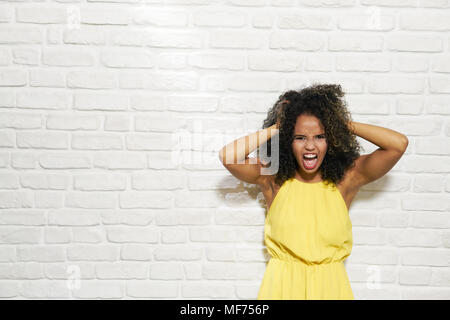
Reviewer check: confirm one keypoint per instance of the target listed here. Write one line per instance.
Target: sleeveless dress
(308, 234)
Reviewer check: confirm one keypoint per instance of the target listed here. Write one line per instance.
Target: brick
(121, 270)
(105, 16)
(166, 271)
(7, 254)
(34, 289)
(19, 235)
(12, 77)
(136, 252)
(93, 253)
(414, 276)
(88, 235)
(425, 257)
(41, 253)
(415, 238)
(91, 80)
(178, 252)
(151, 289)
(41, 14)
(132, 234)
(91, 35)
(215, 18)
(17, 35)
(199, 291)
(67, 57)
(90, 200)
(9, 289)
(100, 101)
(21, 270)
(99, 289)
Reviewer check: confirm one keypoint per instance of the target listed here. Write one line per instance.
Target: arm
(373, 166)
(234, 156)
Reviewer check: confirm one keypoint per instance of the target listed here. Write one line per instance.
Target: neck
(308, 177)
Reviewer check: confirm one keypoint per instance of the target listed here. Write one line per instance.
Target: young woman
(307, 230)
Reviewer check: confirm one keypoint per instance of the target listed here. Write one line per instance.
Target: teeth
(310, 156)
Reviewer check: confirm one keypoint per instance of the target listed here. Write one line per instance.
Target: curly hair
(325, 102)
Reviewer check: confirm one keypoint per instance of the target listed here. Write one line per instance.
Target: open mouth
(310, 161)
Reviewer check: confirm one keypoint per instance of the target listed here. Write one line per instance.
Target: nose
(309, 145)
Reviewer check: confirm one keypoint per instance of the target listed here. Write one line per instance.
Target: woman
(308, 231)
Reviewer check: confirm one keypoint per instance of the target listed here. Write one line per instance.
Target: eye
(321, 136)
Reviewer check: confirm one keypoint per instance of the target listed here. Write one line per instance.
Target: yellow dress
(308, 234)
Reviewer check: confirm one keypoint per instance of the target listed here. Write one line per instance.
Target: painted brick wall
(112, 114)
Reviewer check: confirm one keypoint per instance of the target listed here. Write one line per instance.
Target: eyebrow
(302, 135)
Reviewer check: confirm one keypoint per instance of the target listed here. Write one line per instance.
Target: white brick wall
(96, 97)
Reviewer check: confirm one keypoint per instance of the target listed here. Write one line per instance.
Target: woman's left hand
(350, 126)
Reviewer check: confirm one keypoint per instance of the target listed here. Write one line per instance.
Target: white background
(94, 95)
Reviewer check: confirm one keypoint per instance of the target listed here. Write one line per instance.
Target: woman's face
(309, 138)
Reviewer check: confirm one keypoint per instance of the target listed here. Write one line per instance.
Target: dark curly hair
(325, 102)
